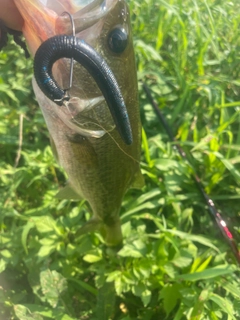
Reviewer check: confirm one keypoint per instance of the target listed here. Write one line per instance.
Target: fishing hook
(64, 46)
(74, 35)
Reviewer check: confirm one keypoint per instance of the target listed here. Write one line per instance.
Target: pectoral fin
(138, 181)
(68, 192)
(54, 149)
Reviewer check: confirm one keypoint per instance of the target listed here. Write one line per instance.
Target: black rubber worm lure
(63, 46)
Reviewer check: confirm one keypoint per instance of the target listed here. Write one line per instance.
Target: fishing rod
(212, 209)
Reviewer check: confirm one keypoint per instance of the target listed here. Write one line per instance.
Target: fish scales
(100, 169)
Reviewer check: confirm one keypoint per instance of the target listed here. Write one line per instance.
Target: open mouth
(90, 118)
(89, 13)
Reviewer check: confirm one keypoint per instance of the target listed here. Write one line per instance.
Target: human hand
(10, 15)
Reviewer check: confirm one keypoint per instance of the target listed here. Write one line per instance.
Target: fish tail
(112, 234)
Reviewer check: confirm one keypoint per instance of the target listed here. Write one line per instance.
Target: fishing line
(114, 140)
(212, 209)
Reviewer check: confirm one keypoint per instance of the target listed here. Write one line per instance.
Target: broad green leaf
(52, 284)
(126, 229)
(141, 291)
(23, 313)
(145, 267)
(118, 286)
(182, 259)
(138, 289)
(45, 251)
(146, 297)
(43, 311)
(170, 270)
(170, 295)
(6, 254)
(3, 265)
(48, 313)
(113, 275)
(47, 224)
(130, 251)
(91, 258)
(181, 262)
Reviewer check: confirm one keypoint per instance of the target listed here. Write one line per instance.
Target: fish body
(85, 141)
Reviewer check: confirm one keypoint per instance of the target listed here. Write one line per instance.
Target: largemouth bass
(84, 138)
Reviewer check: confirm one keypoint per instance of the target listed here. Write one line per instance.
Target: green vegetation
(174, 263)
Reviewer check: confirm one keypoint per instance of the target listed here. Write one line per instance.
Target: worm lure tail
(63, 46)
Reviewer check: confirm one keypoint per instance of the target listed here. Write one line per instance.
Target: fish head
(105, 26)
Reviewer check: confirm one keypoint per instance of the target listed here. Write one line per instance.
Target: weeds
(174, 263)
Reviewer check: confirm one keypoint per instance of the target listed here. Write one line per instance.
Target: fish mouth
(90, 118)
(84, 18)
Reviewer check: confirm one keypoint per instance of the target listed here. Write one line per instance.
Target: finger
(10, 15)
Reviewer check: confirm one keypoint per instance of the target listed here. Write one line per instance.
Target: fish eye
(118, 40)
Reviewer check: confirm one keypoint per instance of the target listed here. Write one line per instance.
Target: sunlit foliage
(174, 263)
